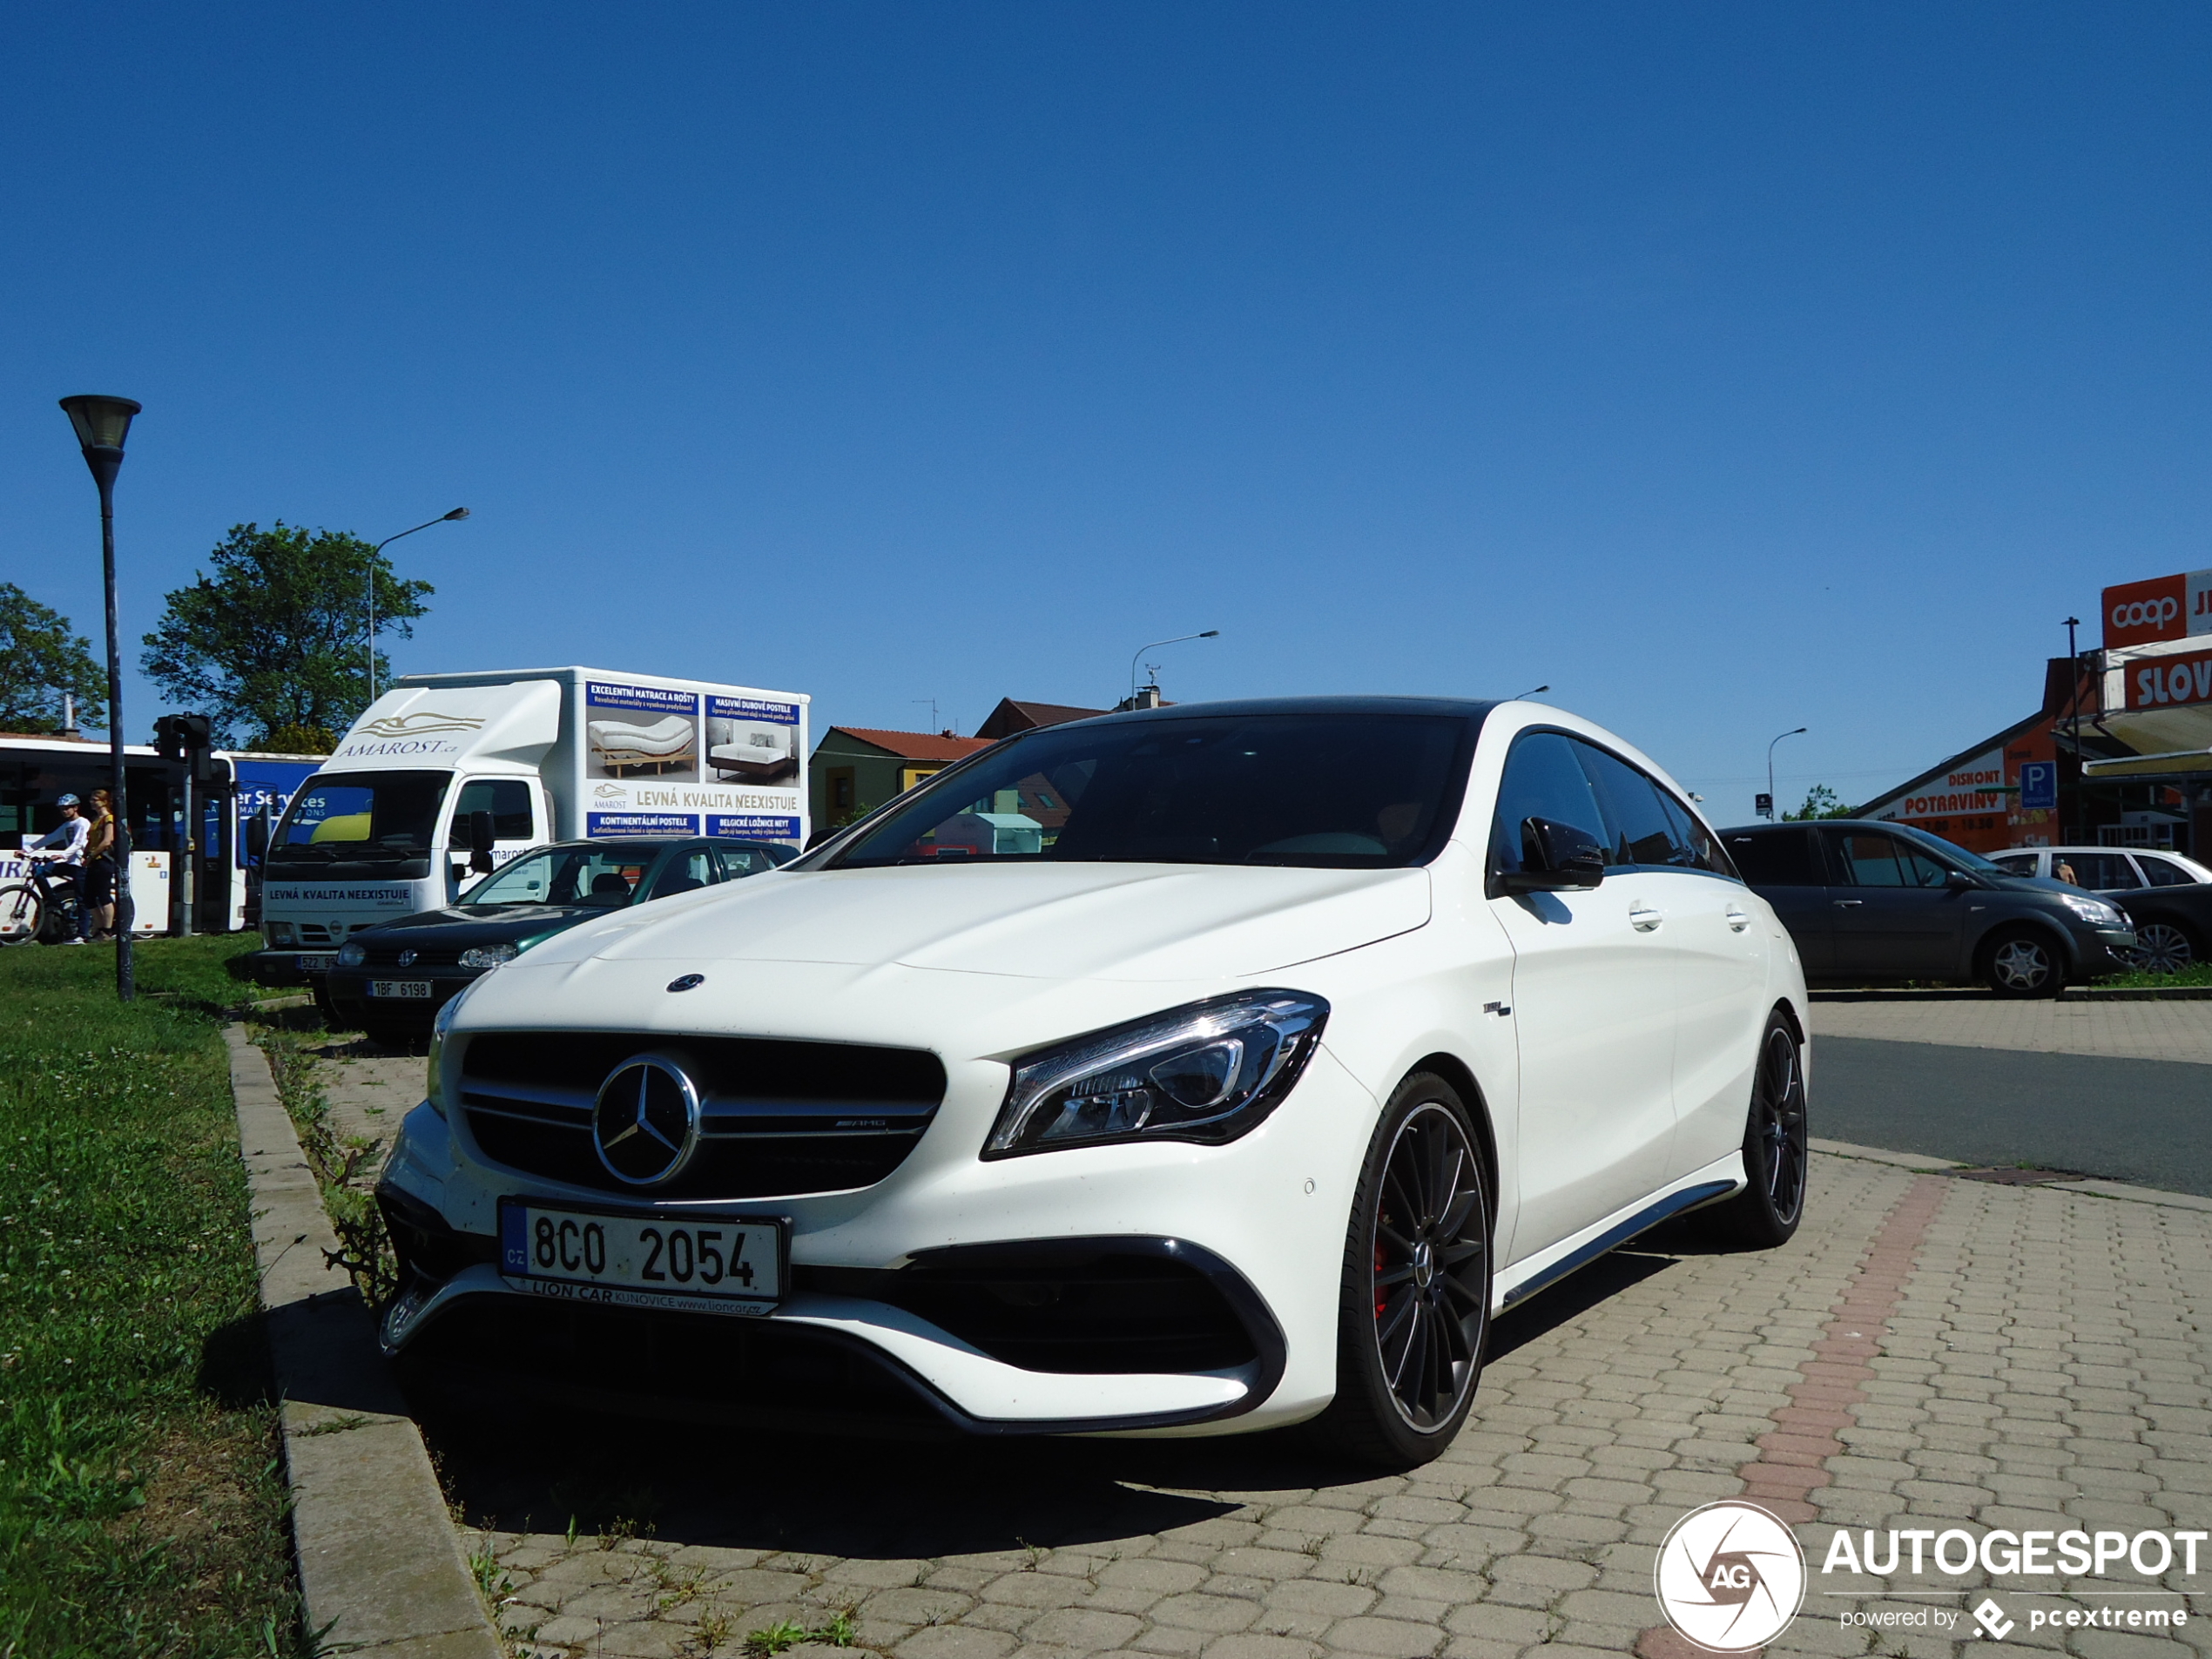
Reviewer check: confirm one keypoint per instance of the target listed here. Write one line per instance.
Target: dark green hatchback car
(391, 980)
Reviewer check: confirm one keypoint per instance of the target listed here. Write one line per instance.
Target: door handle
(1644, 919)
(1738, 921)
(1847, 904)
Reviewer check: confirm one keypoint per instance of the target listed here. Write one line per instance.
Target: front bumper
(289, 967)
(2103, 950)
(940, 1278)
(350, 997)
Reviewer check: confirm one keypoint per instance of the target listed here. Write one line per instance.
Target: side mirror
(257, 836)
(1958, 880)
(480, 838)
(1555, 858)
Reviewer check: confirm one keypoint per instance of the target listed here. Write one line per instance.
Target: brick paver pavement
(1928, 1353)
(2125, 1030)
(2034, 1357)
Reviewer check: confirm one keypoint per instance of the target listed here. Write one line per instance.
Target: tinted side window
(2016, 863)
(1873, 860)
(2103, 871)
(739, 862)
(1542, 779)
(688, 869)
(1783, 858)
(1642, 829)
(1705, 850)
(508, 800)
(2164, 872)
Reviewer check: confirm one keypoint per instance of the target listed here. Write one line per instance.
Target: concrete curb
(2088, 1185)
(379, 1563)
(1974, 993)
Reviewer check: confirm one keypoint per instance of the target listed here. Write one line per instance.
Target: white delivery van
(447, 774)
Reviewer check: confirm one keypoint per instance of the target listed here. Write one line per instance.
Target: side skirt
(1523, 1280)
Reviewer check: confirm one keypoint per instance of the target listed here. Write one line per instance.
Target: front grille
(778, 1119)
(388, 955)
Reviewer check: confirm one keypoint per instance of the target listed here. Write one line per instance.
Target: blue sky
(1728, 367)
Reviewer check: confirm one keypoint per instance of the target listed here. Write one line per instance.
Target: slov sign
(2170, 680)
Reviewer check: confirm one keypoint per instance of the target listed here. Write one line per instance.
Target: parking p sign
(2039, 784)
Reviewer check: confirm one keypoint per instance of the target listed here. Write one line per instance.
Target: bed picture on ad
(751, 739)
(640, 731)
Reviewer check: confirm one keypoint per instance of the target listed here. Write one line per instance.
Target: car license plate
(399, 987)
(317, 964)
(705, 1263)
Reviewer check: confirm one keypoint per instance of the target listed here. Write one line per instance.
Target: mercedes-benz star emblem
(646, 1121)
(407, 958)
(687, 982)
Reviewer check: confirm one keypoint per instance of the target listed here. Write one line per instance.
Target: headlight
(1210, 1072)
(488, 955)
(433, 1090)
(2094, 911)
(281, 935)
(350, 955)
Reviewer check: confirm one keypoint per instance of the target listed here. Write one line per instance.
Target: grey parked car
(1869, 901)
(2170, 897)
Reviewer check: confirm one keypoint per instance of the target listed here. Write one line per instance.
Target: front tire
(2023, 962)
(1413, 1310)
(2162, 948)
(23, 914)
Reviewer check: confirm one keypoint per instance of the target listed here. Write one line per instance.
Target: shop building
(2119, 755)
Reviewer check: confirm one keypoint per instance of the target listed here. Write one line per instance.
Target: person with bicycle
(65, 866)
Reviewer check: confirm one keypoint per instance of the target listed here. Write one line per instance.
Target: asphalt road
(2144, 1121)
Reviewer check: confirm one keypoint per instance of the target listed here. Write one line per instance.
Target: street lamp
(442, 518)
(1794, 732)
(102, 423)
(1210, 633)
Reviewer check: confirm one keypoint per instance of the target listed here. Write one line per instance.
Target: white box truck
(388, 826)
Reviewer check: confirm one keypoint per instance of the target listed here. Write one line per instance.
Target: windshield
(605, 875)
(1351, 790)
(1951, 850)
(366, 816)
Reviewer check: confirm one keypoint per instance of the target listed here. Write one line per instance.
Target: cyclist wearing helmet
(70, 836)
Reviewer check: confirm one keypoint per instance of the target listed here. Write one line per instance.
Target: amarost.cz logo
(1730, 1576)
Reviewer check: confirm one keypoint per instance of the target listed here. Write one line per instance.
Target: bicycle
(38, 907)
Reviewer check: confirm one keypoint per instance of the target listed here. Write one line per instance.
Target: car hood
(1125, 922)
(463, 927)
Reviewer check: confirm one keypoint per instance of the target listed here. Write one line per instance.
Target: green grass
(142, 1501)
(2195, 973)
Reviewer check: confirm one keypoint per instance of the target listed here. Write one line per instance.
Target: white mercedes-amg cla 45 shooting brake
(1189, 1071)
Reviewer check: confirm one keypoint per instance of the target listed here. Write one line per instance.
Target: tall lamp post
(1210, 633)
(374, 553)
(1795, 731)
(102, 423)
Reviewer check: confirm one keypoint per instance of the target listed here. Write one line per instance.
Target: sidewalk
(2114, 1030)
(1928, 1352)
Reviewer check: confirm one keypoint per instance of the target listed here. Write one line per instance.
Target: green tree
(272, 637)
(40, 658)
(1820, 802)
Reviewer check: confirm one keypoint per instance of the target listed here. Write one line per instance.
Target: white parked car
(1301, 1039)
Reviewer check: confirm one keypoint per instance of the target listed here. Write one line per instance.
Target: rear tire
(2023, 962)
(1767, 1212)
(1414, 1304)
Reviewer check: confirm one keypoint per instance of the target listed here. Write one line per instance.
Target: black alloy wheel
(2161, 947)
(1415, 1311)
(1776, 1163)
(2023, 962)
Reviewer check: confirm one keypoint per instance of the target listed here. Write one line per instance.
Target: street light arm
(1210, 633)
(374, 554)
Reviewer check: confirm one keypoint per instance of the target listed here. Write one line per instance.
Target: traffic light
(187, 737)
